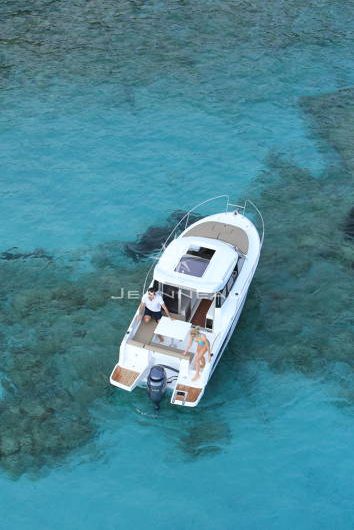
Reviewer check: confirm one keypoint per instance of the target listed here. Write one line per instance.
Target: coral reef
(15, 253)
(59, 329)
(156, 32)
(349, 224)
(58, 338)
(205, 435)
(302, 294)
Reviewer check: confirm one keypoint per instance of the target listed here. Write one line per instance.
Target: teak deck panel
(124, 376)
(168, 350)
(234, 235)
(201, 312)
(145, 332)
(192, 393)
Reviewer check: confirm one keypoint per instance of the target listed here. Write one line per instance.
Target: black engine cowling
(156, 383)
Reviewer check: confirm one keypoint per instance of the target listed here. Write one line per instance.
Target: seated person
(150, 307)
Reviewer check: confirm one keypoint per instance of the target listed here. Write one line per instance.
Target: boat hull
(227, 245)
(217, 355)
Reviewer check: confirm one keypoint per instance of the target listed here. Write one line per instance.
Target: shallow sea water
(114, 116)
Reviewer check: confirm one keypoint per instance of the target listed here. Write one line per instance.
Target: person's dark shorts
(153, 314)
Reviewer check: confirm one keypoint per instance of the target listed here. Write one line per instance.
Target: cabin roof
(214, 274)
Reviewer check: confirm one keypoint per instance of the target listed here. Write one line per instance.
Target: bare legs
(199, 363)
(147, 319)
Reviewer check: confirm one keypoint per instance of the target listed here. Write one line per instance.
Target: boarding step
(125, 377)
(131, 368)
(186, 395)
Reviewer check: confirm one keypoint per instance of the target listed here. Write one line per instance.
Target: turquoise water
(115, 115)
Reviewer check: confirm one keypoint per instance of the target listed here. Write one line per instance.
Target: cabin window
(185, 303)
(201, 252)
(209, 324)
(230, 282)
(220, 298)
(170, 296)
(222, 295)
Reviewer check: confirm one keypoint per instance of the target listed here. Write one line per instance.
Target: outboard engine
(156, 383)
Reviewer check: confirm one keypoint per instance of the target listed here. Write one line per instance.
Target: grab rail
(239, 208)
(186, 216)
(260, 217)
(173, 231)
(214, 340)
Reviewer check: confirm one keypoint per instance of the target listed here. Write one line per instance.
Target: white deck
(140, 348)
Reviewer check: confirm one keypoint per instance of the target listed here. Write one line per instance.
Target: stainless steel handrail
(214, 340)
(186, 218)
(260, 216)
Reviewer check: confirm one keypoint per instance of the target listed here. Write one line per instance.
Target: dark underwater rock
(14, 253)
(107, 255)
(154, 236)
(58, 341)
(349, 225)
(331, 117)
(206, 436)
(60, 335)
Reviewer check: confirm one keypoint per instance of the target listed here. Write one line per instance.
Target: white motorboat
(203, 273)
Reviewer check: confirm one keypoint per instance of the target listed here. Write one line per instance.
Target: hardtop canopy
(214, 275)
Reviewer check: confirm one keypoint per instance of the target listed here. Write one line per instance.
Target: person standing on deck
(150, 307)
(203, 346)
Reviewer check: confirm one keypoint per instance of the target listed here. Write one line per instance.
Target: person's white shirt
(154, 304)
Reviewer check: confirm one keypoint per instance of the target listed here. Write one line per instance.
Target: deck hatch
(195, 261)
